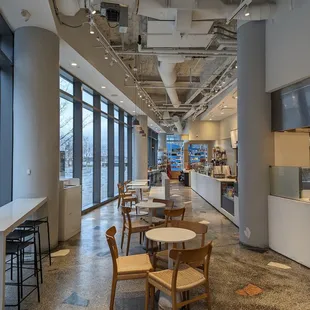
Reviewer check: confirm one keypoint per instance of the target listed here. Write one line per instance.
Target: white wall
(291, 149)
(227, 125)
(288, 44)
(202, 130)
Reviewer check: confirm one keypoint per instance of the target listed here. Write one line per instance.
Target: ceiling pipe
(166, 69)
(177, 124)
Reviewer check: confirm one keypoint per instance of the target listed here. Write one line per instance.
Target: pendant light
(135, 121)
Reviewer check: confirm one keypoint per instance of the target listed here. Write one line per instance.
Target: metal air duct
(177, 123)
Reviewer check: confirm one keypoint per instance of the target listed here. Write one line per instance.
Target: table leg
(2, 269)
(150, 216)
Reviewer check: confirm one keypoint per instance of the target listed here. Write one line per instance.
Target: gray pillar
(36, 121)
(140, 150)
(162, 142)
(255, 141)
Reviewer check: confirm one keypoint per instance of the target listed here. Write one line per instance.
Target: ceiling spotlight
(106, 56)
(73, 64)
(246, 12)
(98, 39)
(210, 119)
(126, 77)
(140, 96)
(225, 106)
(91, 29)
(148, 105)
(236, 66)
(223, 82)
(121, 101)
(111, 63)
(135, 69)
(222, 112)
(103, 87)
(134, 111)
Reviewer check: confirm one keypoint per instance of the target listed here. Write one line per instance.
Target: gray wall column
(162, 143)
(255, 140)
(140, 148)
(36, 121)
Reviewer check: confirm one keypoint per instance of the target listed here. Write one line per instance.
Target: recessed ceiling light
(151, 125)
(210, 119)
(225, 106)
(73, 64)
(134, 111)
(222, 112)
(121, 101)
(103, 87)
(236, 66)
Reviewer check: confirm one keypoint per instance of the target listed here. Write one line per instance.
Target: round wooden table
(170, 235)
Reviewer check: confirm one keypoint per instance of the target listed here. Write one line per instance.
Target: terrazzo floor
(82, 279)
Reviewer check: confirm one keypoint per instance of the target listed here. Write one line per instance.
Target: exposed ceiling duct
(69, 7)
(166, 69)
(202, 10)
(177, 124)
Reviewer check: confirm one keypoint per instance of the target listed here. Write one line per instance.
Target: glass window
(87, 97)
(104, 158)
(66, 138)
(116, 113)
(125, 118)
(88, 158)
(116, 157)
(126, 153)
(104, 106)
(66, 85)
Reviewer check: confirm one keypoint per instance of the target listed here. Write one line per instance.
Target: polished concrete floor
(82, 279)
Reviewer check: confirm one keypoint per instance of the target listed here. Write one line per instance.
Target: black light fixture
(135, 122)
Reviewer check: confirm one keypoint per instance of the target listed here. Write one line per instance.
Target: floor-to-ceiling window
(6, 112)
(125, 147)
(104, 150)
(116, 150)
(84, 127)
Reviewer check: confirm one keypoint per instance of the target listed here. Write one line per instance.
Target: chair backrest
(193, 257)
(172, 213)
(126, 216)
(199, 229)
(120, 187)
(169, 203)
(110, 235)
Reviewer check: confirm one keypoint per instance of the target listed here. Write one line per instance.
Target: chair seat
(133, 264)
(129, 198)
(127, 195)
(157, 220)
(162, 255)
(138, 226)
(18, 234)
(187, 278)
(14, 247)
(131, 191)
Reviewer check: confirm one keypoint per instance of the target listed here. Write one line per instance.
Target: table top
(17, 211)
(151, 205)
(170, 234)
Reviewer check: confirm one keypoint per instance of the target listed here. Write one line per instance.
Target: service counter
(211, 190)
(289, 229)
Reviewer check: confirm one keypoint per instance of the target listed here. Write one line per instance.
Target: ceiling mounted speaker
(166, 115)
(135, 122)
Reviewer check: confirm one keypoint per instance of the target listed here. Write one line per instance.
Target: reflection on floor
(239, 279)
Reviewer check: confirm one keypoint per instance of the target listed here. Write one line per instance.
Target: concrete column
(36, 121)
(162, 142)
(255, 141)
(140, 150)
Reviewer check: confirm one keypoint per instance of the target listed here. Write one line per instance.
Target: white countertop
(219, 180)
(17, 211)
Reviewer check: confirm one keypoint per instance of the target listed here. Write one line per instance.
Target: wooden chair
(173, 213)
(182, 278)
(127, 198)
(127, 189)
(158, 214)
(199, 229)
(132, 227)
(125, 267)
(121, 194)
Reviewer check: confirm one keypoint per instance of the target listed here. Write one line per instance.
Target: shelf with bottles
(197, 153)
(219, 156)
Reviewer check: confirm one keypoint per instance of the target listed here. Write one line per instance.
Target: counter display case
(197, 153)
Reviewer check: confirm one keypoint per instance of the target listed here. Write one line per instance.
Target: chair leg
(128, 243)
(152, 289)
(174, 301)
(12, 267)
(21, 275)
(147, 294)
(36, 268)
(122, 242)
(113, 290)
(119, 202)
(49, 241)
(140, 237)
(209, 296)
(40, 255)
(187, 298)
(18, 282)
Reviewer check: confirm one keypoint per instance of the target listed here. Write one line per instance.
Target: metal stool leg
(36, 269)
(49, 241)
(21, 273)
(40, 253)
(18, 282)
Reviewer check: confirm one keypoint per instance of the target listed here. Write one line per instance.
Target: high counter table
(11, 216)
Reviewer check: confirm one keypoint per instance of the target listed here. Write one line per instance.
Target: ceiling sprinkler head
(25, 14)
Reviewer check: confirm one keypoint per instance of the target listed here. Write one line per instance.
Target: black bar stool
(35, 225)
(15, 250)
